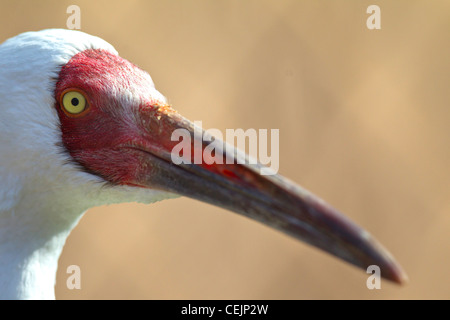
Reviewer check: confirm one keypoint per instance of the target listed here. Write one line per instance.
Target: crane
(81, 126)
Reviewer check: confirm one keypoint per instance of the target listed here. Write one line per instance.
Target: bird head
(90, 118)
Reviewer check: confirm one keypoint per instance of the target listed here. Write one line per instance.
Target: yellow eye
(74, 102)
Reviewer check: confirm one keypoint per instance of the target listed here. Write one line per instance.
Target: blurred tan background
(364, 123)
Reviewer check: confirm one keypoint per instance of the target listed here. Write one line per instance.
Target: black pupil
(75, 101)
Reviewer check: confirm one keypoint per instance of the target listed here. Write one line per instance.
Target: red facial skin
(120, 117)
(94, 138)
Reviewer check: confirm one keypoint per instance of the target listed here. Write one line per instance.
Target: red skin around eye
(96, 137)
(92, 137)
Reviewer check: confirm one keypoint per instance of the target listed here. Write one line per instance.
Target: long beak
(270, 199)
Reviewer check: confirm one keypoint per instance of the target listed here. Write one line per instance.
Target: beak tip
(392, 270)
(396, 273)
(400, 277)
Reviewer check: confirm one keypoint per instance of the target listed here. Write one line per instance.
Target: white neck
(34, 230)
(31, 241)
(28, 269)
